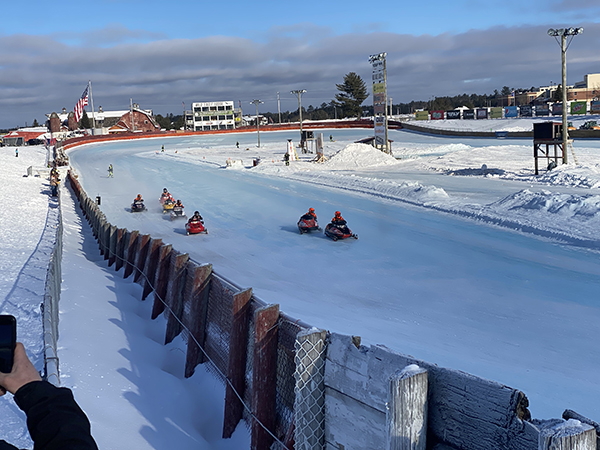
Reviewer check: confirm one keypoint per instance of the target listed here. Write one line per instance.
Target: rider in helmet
(340, 223)
(196, 217)
(139, 198)
(310, 215)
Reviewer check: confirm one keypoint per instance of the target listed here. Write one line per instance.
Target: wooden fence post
(162, 279)
(104, 227)
(236, 368)
(120, 248)
(174, 297)
(141, 257)
(151, 266)
(572, 434)
(132, 246)
(112, 245)
(309, 404)
(407, 409)
(197, 289)
(264, 375)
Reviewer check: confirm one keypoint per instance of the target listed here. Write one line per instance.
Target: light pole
(256, 103)
(563, 33)
(299, 93)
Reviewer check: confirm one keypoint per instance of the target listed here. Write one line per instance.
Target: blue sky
(162, 53)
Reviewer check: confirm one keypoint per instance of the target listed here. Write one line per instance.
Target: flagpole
(93, 112)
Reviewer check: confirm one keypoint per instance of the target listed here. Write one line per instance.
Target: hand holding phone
(23, 372)
(8, 340)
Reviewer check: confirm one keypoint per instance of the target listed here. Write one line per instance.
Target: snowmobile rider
(54, 419)
(339, 222)
(310, 215)
(139, 199)
(196, 218)
(178, 204)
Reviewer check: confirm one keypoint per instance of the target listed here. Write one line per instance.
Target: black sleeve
(54, 419)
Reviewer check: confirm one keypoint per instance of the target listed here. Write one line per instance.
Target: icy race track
(495, 303)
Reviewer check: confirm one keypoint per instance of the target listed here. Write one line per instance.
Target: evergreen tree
(35, 123)
(84, 122)
(352, 93)
(557, 96)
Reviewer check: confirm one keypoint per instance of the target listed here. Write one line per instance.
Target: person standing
(17, 152)
(110, 171)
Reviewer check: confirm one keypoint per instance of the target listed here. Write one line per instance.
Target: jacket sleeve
(54, 419)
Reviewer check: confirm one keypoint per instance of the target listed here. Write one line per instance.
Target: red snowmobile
(195, 227)
(307, 224)
(336, 232)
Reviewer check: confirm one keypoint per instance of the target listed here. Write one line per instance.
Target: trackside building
(215, 116)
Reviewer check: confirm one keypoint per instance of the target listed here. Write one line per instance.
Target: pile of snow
(586, 207)
(568, 175)
(356, 156)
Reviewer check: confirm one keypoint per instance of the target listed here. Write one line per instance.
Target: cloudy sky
(161, 54)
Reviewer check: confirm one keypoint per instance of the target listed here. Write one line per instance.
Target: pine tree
(84, 122)
(35, 123)
(352, 93)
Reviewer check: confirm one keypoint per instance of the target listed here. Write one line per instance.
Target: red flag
(78, 110)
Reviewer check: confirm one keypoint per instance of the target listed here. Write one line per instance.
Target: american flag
(80, 104)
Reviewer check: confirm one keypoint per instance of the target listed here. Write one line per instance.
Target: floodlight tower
(564, 33)
(256, 103)
(299, 93)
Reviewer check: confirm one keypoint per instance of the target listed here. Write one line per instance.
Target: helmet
(165, 190)
(311, 209)
(337, 213)
(196, 213)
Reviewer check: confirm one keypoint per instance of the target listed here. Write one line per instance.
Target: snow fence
(304, 388)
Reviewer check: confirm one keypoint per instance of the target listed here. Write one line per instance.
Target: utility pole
(563, 33)
(299, 93)
(279, 108)
(256, 103)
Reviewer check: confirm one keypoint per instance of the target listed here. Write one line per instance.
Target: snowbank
(357, 156)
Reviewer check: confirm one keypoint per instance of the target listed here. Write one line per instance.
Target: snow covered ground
(465, 259)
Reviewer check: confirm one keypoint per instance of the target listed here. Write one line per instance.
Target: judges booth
(547, 144)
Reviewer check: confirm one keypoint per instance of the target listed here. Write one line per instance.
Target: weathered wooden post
(197, 289)
(407, 409)
(309, 404)
(132, 246)
(162, 279)
(236, 369)
(558, 434)
(112, 245)
(120, 248)
(174, 297)
(102, 239)
(141, 257)
(151, 267)
(570, 414)
(264, 375)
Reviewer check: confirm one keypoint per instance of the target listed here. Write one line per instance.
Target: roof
(26, 135)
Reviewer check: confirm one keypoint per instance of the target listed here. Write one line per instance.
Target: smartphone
(8, 340)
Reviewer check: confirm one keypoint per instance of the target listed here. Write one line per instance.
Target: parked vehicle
(590, 125)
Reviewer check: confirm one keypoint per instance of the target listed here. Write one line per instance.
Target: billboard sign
(526, 111)
(422, 115)
(557, 109)
(578, 107)
(510, 111)
(454, 114)
(542, 110)
(595, 106)
(496, 113)
(437, 115)
(482, 113)
(469, 114)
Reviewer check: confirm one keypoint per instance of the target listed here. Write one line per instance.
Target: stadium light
(256, 103)
(564, 33)
(299, 93)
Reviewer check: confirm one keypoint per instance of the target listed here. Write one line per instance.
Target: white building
(215, 116)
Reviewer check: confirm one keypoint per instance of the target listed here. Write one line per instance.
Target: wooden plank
(120, 248)
(264, 375)
(151, 267)
(141, 258)
(407, 409)
(112, 245)
(197, 289)
(465, 411)
(174, 297)
(236, 369)
(132, 247)
(162, 279)
(559, 434)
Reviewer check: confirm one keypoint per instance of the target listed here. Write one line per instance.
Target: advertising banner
(557, 109)
(526, 111)
(496, 113)
(378, 88)
(578, 107)
(542, 110)
(454, 114)
(468, 114)
(437, 115)
(482, 113)
(422, 115)
(290, 150)
(595, 107)
(510, 111)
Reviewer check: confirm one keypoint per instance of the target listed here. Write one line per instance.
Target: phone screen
(8, 338)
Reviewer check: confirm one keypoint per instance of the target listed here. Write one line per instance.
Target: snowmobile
(306, 225)
(336, 233)
(195, 227)
(164, 197)
(138, 206)
(178, 213)
(168, 206)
